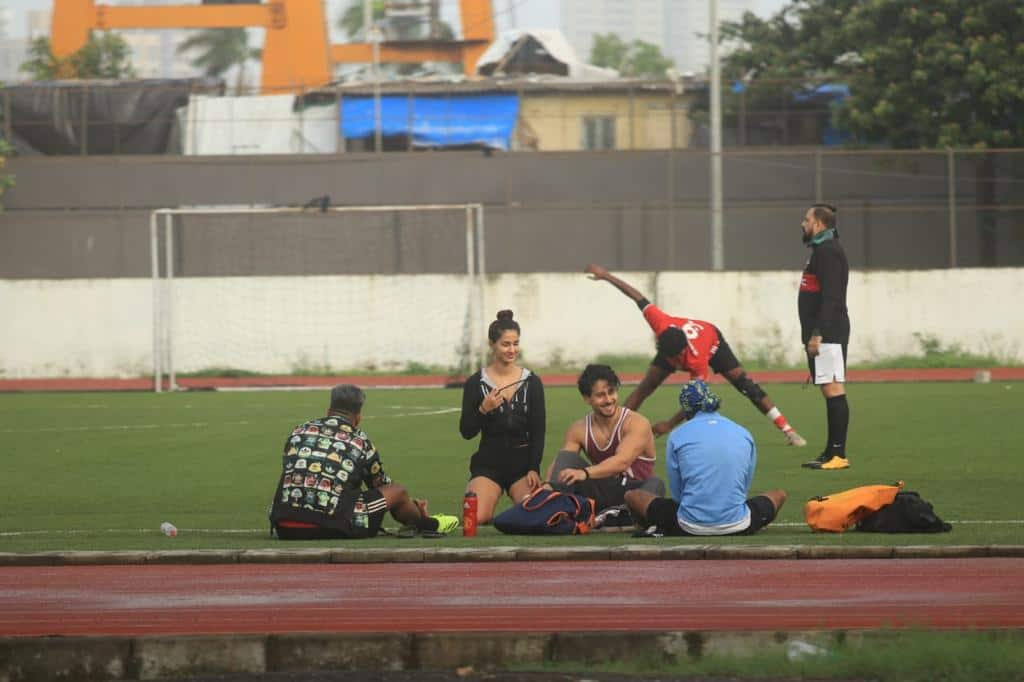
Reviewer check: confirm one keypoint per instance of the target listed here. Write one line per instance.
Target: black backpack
(908, 513)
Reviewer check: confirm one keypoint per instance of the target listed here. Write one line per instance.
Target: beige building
(560, 114)
(618, 115)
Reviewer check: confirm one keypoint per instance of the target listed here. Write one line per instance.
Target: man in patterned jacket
(333, 484)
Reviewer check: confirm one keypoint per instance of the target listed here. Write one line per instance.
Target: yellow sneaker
(446, 523)
(833, 462)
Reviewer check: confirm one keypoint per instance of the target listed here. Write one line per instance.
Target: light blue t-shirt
(710, 461)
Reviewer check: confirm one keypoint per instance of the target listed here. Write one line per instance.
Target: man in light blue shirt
(710, 461)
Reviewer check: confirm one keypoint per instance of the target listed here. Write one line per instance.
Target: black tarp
(101, 117)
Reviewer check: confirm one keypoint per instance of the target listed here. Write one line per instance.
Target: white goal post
(169, 295)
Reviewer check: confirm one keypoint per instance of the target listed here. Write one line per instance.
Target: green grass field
(103, 470)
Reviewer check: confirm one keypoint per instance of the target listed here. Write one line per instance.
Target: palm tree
(221, 49)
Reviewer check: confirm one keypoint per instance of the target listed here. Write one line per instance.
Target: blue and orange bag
(547, 512)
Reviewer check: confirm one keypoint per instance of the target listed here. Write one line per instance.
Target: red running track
(511, 597)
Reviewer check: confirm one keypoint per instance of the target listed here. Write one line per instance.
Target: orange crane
(296, 53)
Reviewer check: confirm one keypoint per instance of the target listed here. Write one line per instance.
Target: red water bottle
(469, 515)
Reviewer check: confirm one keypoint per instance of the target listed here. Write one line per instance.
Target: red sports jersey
(701, 340)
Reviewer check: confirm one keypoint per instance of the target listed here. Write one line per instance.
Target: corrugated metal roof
(532, 84)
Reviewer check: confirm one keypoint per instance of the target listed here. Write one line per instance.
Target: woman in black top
(504, 402)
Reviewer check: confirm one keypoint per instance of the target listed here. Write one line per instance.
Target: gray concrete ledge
(148, 658)
(630, 552)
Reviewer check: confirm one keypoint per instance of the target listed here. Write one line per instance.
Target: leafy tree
(608, 50)
(103, 56)
(219, 50)
(635, 59)
(42, 64)
(107, 56)
(922, 74)
(933, 73)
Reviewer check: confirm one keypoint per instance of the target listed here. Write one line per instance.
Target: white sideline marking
(137, 427)
(311, 387)
(978, 523)
(140, 531)
(250, 531)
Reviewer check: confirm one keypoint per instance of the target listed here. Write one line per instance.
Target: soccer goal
(308, 291)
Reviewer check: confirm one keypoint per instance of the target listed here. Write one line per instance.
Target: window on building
(598, 133)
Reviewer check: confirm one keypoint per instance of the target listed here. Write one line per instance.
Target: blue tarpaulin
(435, 121)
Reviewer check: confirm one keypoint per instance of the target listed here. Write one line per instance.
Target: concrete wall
(546, 211)
(103, 327)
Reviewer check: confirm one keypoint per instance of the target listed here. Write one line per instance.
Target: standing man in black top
(825, 327)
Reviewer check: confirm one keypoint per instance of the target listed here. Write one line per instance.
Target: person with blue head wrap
(710, 461)
(695, 397)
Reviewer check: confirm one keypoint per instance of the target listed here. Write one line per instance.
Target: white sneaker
(795, 439)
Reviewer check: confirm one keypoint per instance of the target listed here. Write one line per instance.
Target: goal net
(316, 291)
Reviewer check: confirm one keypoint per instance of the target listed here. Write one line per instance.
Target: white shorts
(829, 365)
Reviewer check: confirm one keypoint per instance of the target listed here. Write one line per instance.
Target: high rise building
(6, 20)
(672, 25)
(37, 23)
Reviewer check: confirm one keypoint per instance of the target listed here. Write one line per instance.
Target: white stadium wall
(103, 328)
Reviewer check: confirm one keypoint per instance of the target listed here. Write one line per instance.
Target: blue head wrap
(695, 397)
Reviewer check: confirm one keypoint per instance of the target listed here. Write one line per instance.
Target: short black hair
(594, 373)
(671, 342)
(347, 398)
(826, 214)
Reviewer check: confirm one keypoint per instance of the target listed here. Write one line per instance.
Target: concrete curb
(630, 552)
(147, 658)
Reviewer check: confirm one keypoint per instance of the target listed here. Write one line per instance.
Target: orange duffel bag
(839, 511)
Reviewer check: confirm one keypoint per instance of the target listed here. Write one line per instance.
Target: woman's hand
(492, 401)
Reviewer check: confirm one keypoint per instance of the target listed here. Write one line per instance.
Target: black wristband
(586, 473)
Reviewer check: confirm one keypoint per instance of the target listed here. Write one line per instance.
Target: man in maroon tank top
(610, 450)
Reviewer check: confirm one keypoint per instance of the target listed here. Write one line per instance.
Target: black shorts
(724, 360)
(495, 466)
(609, 492)
(359, 514)
(662, 513)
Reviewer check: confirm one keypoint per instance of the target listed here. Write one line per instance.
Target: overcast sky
(525, 13)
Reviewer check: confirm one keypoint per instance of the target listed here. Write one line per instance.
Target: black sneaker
(614, 517)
